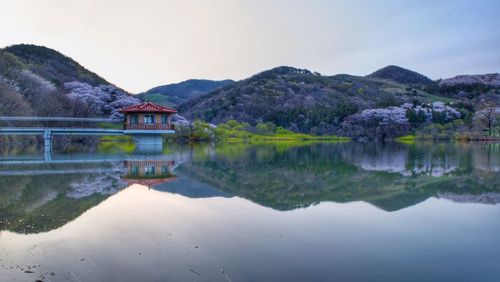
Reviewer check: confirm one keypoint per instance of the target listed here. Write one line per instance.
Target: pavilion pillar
(148, 143)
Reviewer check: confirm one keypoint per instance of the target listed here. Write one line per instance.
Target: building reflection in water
(149, 172)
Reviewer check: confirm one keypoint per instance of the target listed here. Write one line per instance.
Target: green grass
(410, 137)
(394, 87)
(407, 139)
(296, 136)
(119, 138)
(109, 125)
(116, 144)
(433, 98)
(252, 137)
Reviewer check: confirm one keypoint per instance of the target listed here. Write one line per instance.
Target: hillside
(53, 66)
(478, 90)
(178, 93)
(491, 80)
(401, 75)
(36, 80)
(300, 100)
(391, 102)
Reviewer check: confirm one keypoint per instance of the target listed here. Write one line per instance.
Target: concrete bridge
(130, 168)
(51, 126)
(91, 158)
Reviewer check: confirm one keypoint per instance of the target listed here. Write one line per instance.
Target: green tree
(265, 128)
(202, 131)
(415, 118)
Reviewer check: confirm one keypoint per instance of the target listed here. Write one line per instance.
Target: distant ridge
(401, 75)
(177, 93)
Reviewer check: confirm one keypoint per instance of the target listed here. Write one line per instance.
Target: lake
(285, 211)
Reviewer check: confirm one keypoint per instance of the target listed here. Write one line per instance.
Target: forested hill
(39, 81)
(299, 99)
(401, 75)
(389, 103)
(178, 93)
(53, 66)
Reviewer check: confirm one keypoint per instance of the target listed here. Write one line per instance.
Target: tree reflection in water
(281, 176)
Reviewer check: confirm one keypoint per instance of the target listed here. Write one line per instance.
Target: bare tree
(11, 102)
(488, 119)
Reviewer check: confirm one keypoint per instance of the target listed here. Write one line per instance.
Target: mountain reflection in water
(391, 176)
(216, 213)
(41, 197)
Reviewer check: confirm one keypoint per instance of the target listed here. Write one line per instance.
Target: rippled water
(265, 212)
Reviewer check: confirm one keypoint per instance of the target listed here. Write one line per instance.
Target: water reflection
(38, 196)
(392, 176)
(214, 213)
(149, 172)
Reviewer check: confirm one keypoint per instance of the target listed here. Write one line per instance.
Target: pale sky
(145, 43)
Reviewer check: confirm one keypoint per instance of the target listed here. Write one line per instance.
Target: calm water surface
(273, 212)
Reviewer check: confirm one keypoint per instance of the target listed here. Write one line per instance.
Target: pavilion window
(165, 170)
(134, 119)
(149, 119)
(149, 170)
(134, 170)
(164, 119)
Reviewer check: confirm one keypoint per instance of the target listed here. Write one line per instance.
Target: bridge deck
(50, 126)
(76, 131)
(59, 131)
(65, 119)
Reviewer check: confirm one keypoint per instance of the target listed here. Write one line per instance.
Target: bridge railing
(72, 122)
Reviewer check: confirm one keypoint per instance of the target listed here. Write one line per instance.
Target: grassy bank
(116, 144)
(454, 137)
(233, 131)
(284, 137)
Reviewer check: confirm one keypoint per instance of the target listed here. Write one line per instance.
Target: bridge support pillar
(149, 143)
(47, 138)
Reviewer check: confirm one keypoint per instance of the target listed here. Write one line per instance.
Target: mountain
(299, 99)
(52, 65)
(39, 81)
(401, 75)
(393, 101)
(178, 93)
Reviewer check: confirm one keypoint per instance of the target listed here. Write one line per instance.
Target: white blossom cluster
(491, 79)
(437, 107)
(35, 80)
(105, 183)
(398, 161)
(104, 100)
(392, 122)
(398, 114)
(385, 116)
(180, 120)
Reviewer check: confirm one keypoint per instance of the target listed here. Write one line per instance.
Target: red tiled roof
(148, 107)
